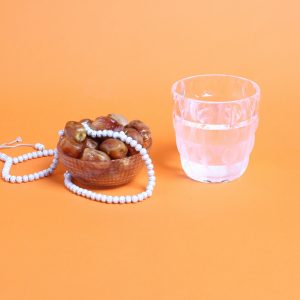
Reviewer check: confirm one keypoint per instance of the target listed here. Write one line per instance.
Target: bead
(25, 178)
(51, 152)
(45, 152)
(36, 176)
(25, 156)
(143, 151)
(123, 138)
(39, 153)
(150, 172)
(152, 181)
(145, 157)
(12, 179)
(150, 167)
(109, 199)
(138, 147)
(116, 135)
(122, 199)
(133, 143)
(41, 174)
(19, 179)
(149, 193)
(99, 134)
(140, 197)
(3, 156)
(30, 177)
(116, 199)
(20, 159)
(93, 196)
(134, 199)
(128, 140)
(83, 192)
(148, 161)
(110, 133)
(39, 146)
(15, 160)
(104, 133)
(34, 155)
(7, 178)
(98, 197)
(103, 198)
(149, 188)
(128, 199)
(29, 155)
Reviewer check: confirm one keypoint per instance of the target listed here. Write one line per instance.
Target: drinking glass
(215, 118)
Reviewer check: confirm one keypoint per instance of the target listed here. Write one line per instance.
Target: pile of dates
(75, 142)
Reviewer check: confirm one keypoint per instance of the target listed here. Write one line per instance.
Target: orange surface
(62, 60)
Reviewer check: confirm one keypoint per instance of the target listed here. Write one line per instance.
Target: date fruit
(70, 147)
(94, 155)
(114, 148)
(143, 130)
(88, 121)
(75, 130)
(136, 136)
(120, 119)
(107, 123)
(91, 144)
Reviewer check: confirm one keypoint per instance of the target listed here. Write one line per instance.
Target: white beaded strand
(116, 199)
(9, 161)
(42, 152)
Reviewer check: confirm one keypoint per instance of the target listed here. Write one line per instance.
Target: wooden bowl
(102, 174)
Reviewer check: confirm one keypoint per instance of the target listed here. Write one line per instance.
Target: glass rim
(253, 83)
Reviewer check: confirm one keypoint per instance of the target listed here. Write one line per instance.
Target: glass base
(214, 174)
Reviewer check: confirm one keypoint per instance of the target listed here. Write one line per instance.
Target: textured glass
(215, 119)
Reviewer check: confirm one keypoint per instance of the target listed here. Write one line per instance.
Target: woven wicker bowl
(102, 174)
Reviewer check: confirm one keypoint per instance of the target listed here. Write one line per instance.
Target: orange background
(65, 60)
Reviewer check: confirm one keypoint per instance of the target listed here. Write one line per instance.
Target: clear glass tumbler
(215, 119)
